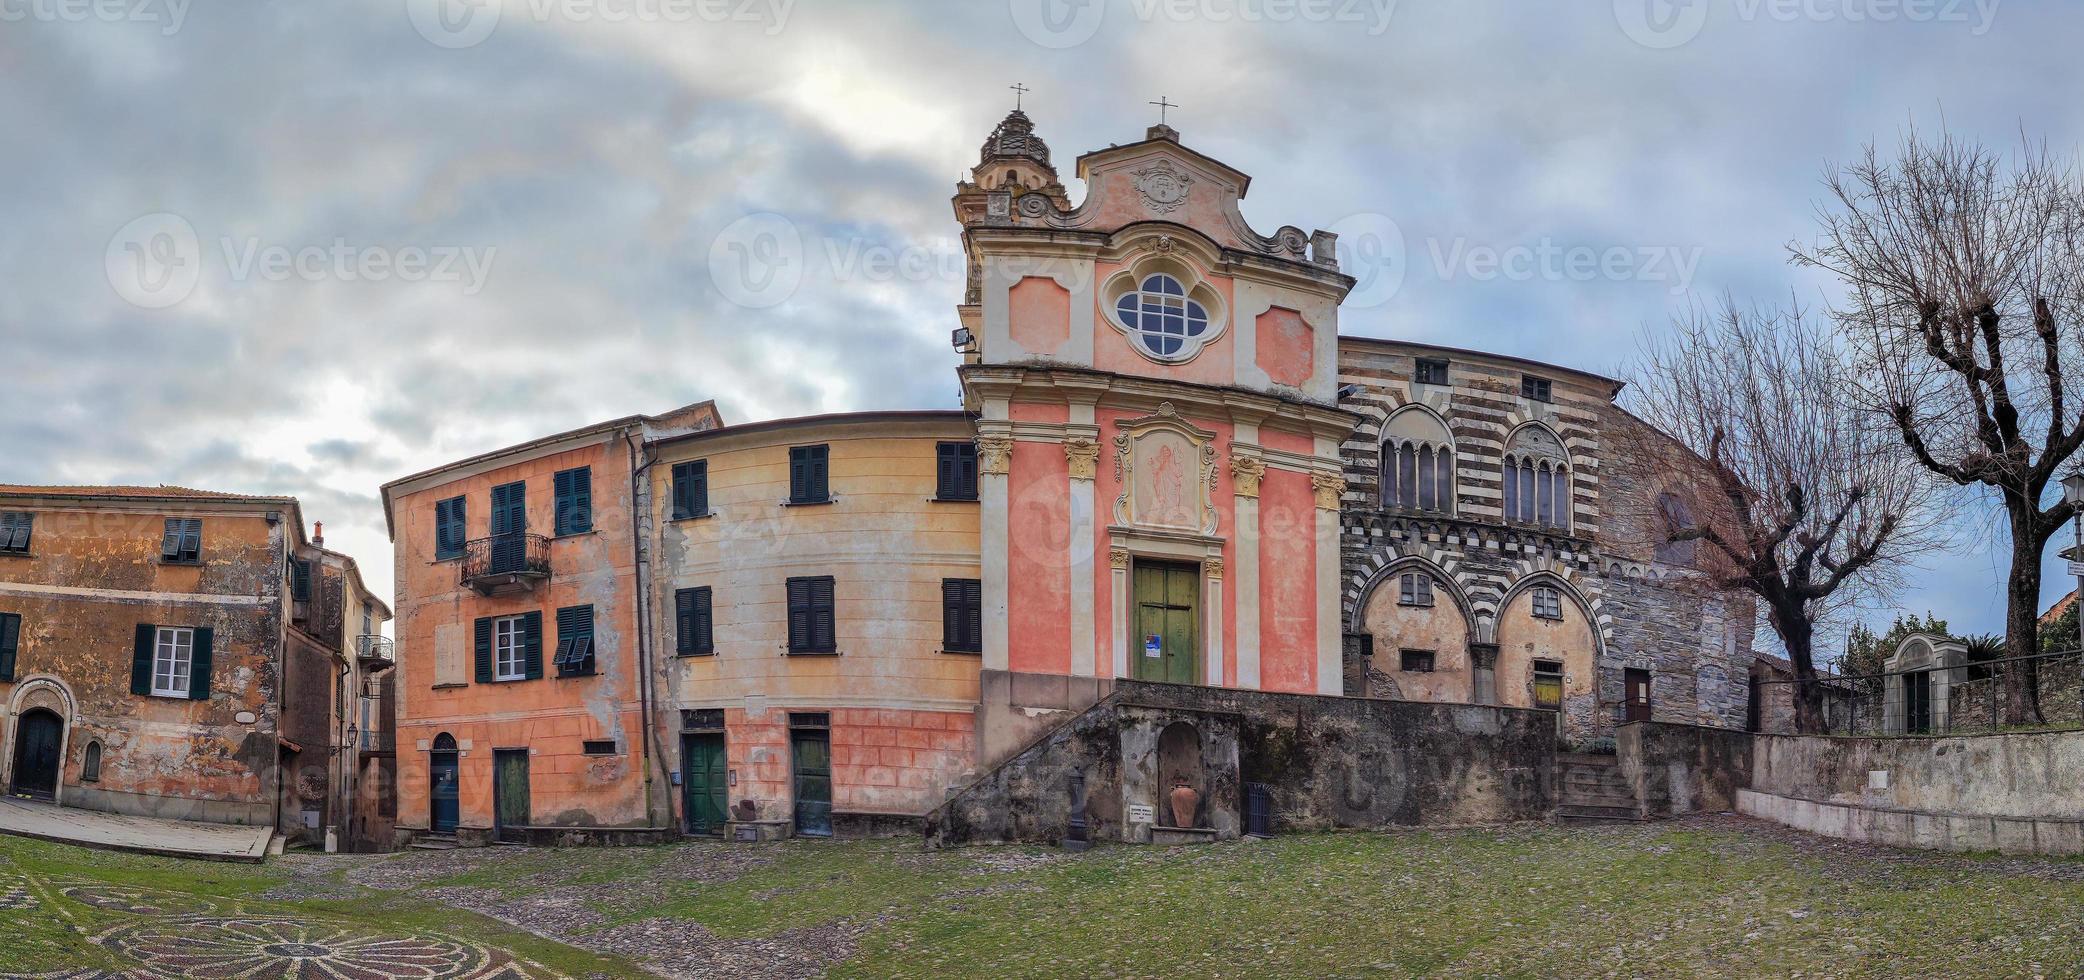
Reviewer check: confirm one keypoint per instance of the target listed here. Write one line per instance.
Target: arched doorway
(38, 735)
(441, 785)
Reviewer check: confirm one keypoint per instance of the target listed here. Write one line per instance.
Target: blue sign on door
(1152, 646)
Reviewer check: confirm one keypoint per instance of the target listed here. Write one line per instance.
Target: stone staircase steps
(1592, 789)
(434, 842)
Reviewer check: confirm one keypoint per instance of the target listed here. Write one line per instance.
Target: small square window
(1415, 661)
(1432, 371)
(1415, 589)
(604, 746)
(14, 531)
(1535, 388)
(183, 541)
(1548, 604)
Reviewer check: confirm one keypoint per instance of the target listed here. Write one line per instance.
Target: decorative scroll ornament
(1163, 186)
(1083, 455)
(1245, 474)
(1329, 487)
(1167, 469)
(1118, 558)
(1213, 568)
(995, 455)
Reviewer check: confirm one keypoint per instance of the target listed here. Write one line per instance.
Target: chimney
(318, 534)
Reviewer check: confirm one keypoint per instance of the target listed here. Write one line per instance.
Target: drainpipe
(643, 605)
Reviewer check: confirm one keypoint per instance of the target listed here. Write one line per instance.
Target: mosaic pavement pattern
(174, 935)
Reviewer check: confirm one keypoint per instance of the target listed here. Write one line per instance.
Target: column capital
(1329, 486)
(1083, 456)
(1245, 473)
(995, 454)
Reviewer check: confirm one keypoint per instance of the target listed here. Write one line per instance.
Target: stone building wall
(1627, 600)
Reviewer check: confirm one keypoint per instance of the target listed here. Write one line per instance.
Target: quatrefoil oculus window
(1167, 314)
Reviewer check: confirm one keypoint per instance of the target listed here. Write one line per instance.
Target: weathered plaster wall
(1328, 761)
(553, 716)
(93, 575)
(901, 707)
(1681, 769)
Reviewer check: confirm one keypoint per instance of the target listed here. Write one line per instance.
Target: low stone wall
(1326, 762)
(1681, 769)
(2012, 793)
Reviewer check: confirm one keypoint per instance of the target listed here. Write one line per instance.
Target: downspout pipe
(652, 759)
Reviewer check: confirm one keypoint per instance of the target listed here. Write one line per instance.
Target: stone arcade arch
(1434, 624)
(1529, 642)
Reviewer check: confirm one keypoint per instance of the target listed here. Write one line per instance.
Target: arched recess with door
(1419, 626)
(1548, 647)
(41, 715)
(443, 800)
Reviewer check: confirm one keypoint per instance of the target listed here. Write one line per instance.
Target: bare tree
(1808, 505)
(1962, 275)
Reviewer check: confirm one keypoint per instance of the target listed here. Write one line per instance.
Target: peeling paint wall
(900, 706)
(92, 576)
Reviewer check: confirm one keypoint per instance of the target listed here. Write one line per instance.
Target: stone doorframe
(48, 692)
(1125, 545)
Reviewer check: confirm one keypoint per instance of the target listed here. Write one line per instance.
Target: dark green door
(509, 521)
(703, 776)
(810, 756)
(36, 738)
(509, 791)
(441, 793)
(1166, 646)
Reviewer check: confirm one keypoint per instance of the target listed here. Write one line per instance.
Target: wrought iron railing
(371, 646)
(506, 555)
(2003, 694)
(378, 741)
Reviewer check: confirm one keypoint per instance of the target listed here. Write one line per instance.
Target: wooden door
(441, 792)
(703, 779)
(810, 757)
(509, 790)
(36, 739)
(1166, 646)
(1638, 689)
(509, 520)
(1917, 702)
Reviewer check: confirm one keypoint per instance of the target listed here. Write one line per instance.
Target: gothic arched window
(1535, 479)
(1418, 463)
(1674, 516)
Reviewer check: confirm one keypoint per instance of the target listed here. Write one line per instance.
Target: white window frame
(173, 661)
(1548, 604)
(1415, 589)
(509, 649)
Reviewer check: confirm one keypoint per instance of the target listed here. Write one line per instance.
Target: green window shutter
(484, 650)
(574, 500)
(141, 659)
(690, 489)
(10, 635)
(532, 643)
(199, 664)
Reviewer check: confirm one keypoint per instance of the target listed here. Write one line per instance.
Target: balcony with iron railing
(375, 650)
(378, 743)
(506, 563)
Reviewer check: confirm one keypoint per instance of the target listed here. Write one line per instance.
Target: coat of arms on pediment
(1163, 186)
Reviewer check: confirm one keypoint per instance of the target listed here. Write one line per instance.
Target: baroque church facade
(1170, 474)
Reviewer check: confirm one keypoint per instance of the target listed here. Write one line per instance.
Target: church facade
(1169, 469)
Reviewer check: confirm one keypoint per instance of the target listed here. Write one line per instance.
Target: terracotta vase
(1184, 799)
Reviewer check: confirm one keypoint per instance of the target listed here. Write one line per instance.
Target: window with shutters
(14, 531)
(183, 541)
(810, 615)
(1414, 589)
(962, 615)
(173, 657)
(509, 654)
(300, 580)
(448, 528)
(690, 489)
(810, 472)
(693, 626)
(574, 641)
(956, 471)
(10, 640)
(574, 493)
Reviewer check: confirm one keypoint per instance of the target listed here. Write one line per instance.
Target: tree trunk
(2022, 701)
(1797, 634)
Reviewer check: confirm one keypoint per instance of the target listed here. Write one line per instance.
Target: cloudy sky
(309, 247)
